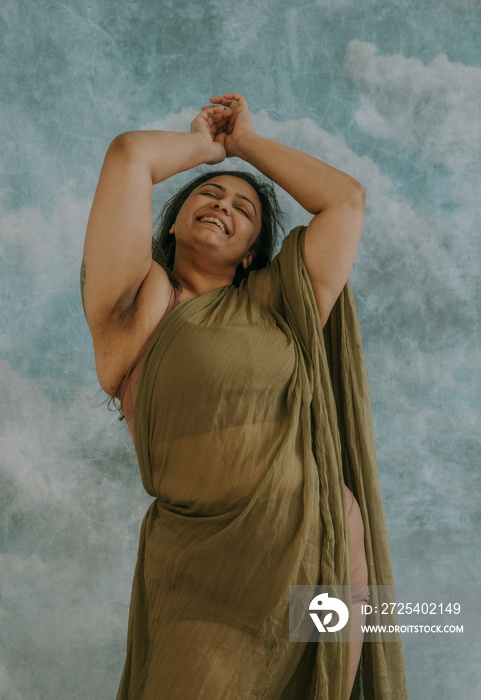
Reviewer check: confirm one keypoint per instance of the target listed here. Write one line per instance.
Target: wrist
(199, 147)
(247, 146)
(206, 151)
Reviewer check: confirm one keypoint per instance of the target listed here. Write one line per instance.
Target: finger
(220, 138)
(219, 104)
(212, 108)
(206, 117)
(223, 115)
(228, 97)
(213, 119)
(202, 115)
(209, 122)
(226, 104)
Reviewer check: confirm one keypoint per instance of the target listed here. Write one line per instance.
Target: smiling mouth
(214, 220)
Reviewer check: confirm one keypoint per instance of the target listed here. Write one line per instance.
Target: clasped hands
(225, 125)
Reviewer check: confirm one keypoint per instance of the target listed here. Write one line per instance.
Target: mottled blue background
(390, 92)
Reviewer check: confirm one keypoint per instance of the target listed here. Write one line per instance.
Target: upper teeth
(213, 220)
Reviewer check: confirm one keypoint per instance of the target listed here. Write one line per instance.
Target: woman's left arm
(335, 199)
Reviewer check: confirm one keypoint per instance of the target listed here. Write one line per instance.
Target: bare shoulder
(117, 345)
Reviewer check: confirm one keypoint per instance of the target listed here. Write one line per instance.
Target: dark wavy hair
(163, 243)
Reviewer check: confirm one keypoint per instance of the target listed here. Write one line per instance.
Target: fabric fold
(336, 352)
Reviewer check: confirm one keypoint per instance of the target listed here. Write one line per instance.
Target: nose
(222, 205)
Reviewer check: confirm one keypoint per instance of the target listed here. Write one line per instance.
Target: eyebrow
(238, 195)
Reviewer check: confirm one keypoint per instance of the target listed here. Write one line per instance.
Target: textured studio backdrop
(388, 91)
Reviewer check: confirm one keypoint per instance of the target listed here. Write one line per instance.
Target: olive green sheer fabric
(248, 419)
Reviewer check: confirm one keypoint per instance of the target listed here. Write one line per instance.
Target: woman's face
(220, 219)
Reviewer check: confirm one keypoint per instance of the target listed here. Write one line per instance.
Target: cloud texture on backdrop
(392, 97)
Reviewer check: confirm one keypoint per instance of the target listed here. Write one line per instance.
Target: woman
(236, 425)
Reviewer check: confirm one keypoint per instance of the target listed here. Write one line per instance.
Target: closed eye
(213, 193)
(215, 196)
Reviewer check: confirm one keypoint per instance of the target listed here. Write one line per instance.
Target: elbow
(127, 151)
(351, 195)
(357, 194)
(122, 140)
(354, 198)
(124, 145)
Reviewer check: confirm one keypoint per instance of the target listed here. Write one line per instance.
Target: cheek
(183, 216)
(255, 235)
(249, 228)
(248, 238)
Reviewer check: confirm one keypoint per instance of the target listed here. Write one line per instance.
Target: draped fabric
(249, 419)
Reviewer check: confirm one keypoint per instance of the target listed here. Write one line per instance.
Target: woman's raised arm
(335, 199)
(117, 253)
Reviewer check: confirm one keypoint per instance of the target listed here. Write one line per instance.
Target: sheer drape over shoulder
(249, 419)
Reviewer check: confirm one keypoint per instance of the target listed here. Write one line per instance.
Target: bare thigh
(359, 572)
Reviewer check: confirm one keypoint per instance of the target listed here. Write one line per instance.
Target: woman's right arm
(124, 292)
(117, 252)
